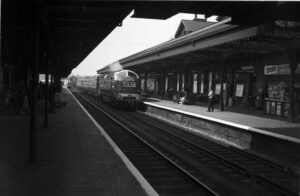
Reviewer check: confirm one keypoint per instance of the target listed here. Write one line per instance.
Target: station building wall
(245, 84)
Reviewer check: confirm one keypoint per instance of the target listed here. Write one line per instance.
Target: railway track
(219, 166)
(260, 174)
(166, 177)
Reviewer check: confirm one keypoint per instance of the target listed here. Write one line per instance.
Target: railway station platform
(266, 136)
(73, 157)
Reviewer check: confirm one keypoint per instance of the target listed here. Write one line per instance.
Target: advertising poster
(278, 109)
(195, 82)
(150, 84)
(142, 84)
(268, 107)
(218, 89)
(239, 90)
(202, 84)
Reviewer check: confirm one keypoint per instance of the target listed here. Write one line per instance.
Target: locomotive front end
(129, 93)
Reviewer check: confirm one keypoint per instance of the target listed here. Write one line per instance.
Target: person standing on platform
(211, 95)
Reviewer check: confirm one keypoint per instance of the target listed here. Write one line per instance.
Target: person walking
(211, 95)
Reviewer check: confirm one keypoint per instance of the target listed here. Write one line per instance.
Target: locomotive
(120, 88)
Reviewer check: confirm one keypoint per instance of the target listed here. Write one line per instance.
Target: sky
(133, 36)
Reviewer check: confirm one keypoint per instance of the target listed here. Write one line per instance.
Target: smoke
(115, 66)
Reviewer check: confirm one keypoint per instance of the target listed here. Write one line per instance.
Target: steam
(115, 66)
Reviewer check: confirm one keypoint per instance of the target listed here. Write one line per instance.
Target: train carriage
(87, 83)
(121, 88)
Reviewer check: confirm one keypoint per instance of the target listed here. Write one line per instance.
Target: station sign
(247, 69)
(282, 69)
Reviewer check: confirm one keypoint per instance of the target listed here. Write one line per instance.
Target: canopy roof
(210, 44)
(70, 29)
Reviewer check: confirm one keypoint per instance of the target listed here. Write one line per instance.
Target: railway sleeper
(153, 176)
(169, 181)
(275, 187)
(177, 190)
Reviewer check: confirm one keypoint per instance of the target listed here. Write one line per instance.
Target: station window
(166, 84)
(195, 83)
(202, 83)
(177, 86)
(142, 84)
(210, 80)
(182, 82)
(156, 85)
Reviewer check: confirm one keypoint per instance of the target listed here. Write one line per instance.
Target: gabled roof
(188, 26)
(206, 38)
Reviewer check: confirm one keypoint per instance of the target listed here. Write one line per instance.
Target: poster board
(218, 89)
(195, 83)
(239, 90)
(142, 84)
(278, 108)
(202, 83)
(150, 84)
(268, 107)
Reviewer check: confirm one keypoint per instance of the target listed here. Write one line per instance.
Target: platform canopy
(68, 30)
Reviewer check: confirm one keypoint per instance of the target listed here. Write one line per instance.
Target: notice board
(239, 90)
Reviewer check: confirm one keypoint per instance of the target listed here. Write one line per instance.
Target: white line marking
(288, 138)
(144, 183)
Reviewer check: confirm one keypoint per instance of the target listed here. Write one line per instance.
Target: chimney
(199, 19)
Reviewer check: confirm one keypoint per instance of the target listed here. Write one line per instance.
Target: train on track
(87, 83)
(120, 88)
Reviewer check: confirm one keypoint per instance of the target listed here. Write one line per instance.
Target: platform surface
(72, 157)
(246, 117)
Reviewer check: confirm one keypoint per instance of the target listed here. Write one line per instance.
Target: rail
(181, 169)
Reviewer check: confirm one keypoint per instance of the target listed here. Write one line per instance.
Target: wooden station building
(247, 65)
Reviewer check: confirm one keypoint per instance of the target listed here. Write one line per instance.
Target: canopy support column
(1, 64)
(145, 82)
(35, 78)
(51, 94)
(1, 79)
(222, 88)
(46, 107)
(222, 62)
(293, 66)
(189, 79)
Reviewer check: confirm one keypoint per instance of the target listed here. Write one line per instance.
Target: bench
(177, 98)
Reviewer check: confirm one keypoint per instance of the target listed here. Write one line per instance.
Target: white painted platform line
(144, 183)
(283, 137)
